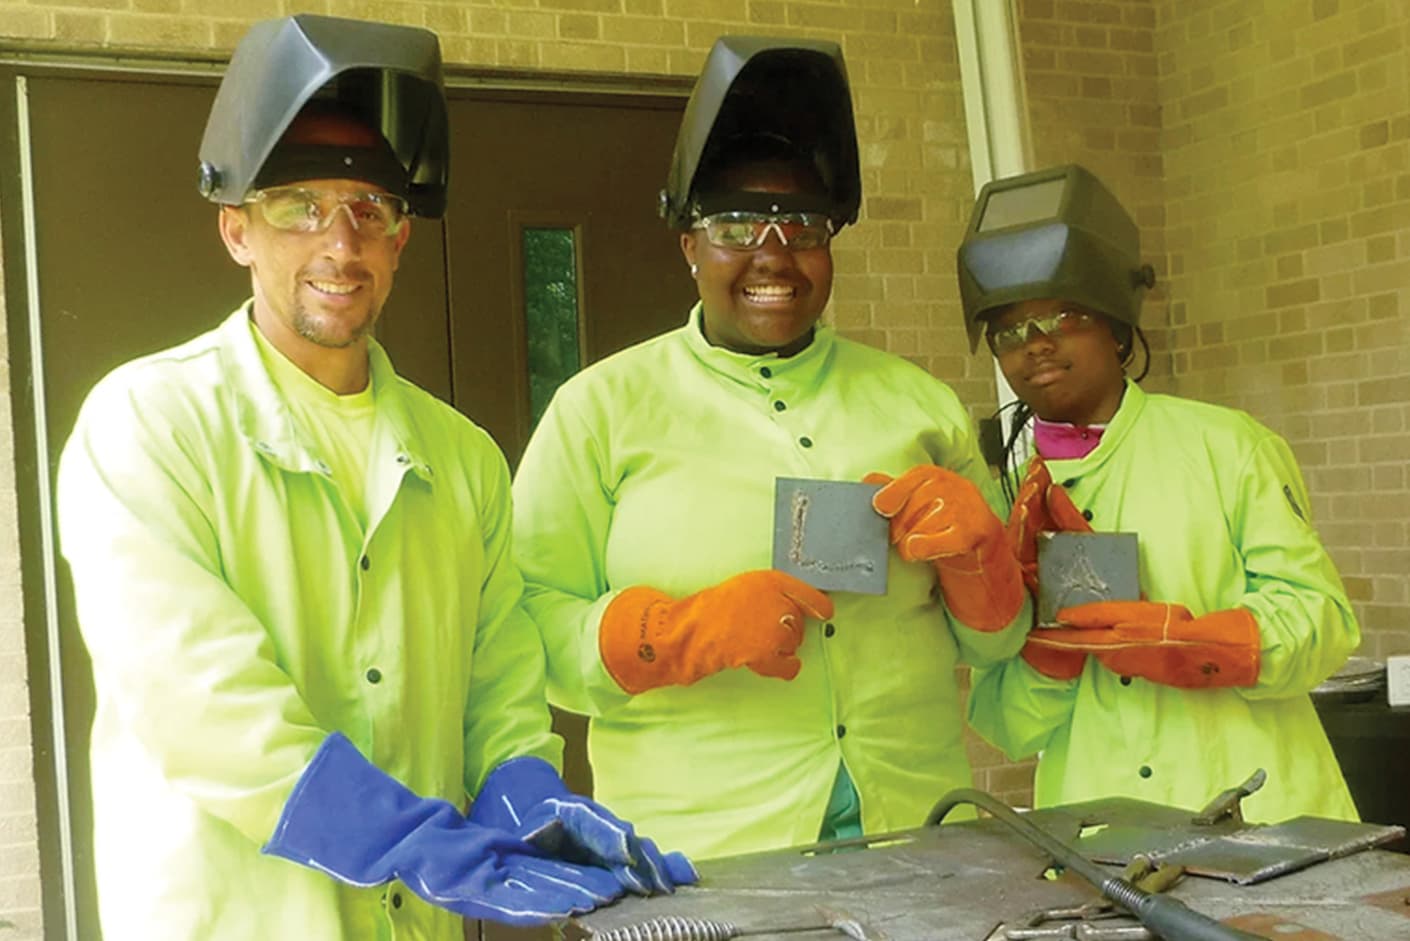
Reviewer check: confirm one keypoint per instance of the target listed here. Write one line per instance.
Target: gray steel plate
(827, 534)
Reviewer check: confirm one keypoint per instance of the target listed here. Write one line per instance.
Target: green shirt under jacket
(1221, 513)
(656, 467)
(237, 612)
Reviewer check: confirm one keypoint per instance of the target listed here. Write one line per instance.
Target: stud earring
(694, 269)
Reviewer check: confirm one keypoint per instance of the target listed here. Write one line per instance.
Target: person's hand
(527, 797)
(1040, 506)
(937, 516)
(350, 820)
(1160, 642)
(754, 620)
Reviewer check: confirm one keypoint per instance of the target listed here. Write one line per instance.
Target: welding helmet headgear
(1055, 233)
(792, 95)
(387, 77)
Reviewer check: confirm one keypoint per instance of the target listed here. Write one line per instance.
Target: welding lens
(297, 209)
(1060, 323)
(746, 231)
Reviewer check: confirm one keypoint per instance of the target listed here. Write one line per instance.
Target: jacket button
(805, 441)
(374, 675)
(1087, 515)
(766, 372)
(366, 563)
(841, 731)
(396, 900)
(1145, 771)
(779, 406)
(829, 630)
(1126, 681)
(1069, 483)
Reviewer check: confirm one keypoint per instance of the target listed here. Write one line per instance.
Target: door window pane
(550, 312)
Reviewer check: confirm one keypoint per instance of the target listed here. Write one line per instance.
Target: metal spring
(671, 928)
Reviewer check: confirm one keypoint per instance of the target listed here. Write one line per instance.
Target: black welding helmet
(389, 77)
(1054, 233)
(792, 91)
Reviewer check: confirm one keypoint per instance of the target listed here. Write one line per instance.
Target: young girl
(1188, 691)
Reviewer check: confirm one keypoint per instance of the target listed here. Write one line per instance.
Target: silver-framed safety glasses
(747, 231)
(1057, 324)
(306, 209)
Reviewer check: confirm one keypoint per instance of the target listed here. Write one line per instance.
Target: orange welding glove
(937, 516)
(1041, 506)
(1058, 663)
(1161, 642)
(753, 620)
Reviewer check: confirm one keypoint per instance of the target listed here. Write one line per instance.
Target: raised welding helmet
(1054, 233)
(389, 77)
(792, 91)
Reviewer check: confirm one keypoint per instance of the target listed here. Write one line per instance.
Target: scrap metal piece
(1228, 804)
(826, 533)
(1228, 848)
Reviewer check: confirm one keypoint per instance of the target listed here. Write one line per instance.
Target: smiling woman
(732, 707)
(763, 293)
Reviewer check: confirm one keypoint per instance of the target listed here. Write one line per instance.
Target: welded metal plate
(1078, 568)
(958, 882)
(1116, 830)
(827, 534)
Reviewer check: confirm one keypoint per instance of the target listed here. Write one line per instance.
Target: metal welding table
(980, 881)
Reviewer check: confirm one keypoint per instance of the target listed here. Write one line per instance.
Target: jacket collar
(761, 370)
(266, 421)
(1133, 403)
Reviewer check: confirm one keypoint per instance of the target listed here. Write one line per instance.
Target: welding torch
(1164, 915)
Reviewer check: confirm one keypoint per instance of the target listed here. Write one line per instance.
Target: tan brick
(155, 32)
(736, 11)
(591, 6)
(77, 28)
(643, 30)
(579, 26)
(646, 61)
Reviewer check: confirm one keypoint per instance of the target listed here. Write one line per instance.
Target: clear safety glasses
(299, 209)
(1057, 324)
(746, 231)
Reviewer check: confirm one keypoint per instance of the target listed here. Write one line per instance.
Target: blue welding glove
(527, 797)
(350, 819)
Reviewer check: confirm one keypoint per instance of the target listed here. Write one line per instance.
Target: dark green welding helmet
(1055, 233)
(791, 92)
(388, 77)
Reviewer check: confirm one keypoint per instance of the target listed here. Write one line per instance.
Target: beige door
(126, 260)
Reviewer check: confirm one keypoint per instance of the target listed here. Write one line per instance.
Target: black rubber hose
(1163, 915)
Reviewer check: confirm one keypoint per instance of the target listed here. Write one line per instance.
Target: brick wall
(1286, 143)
